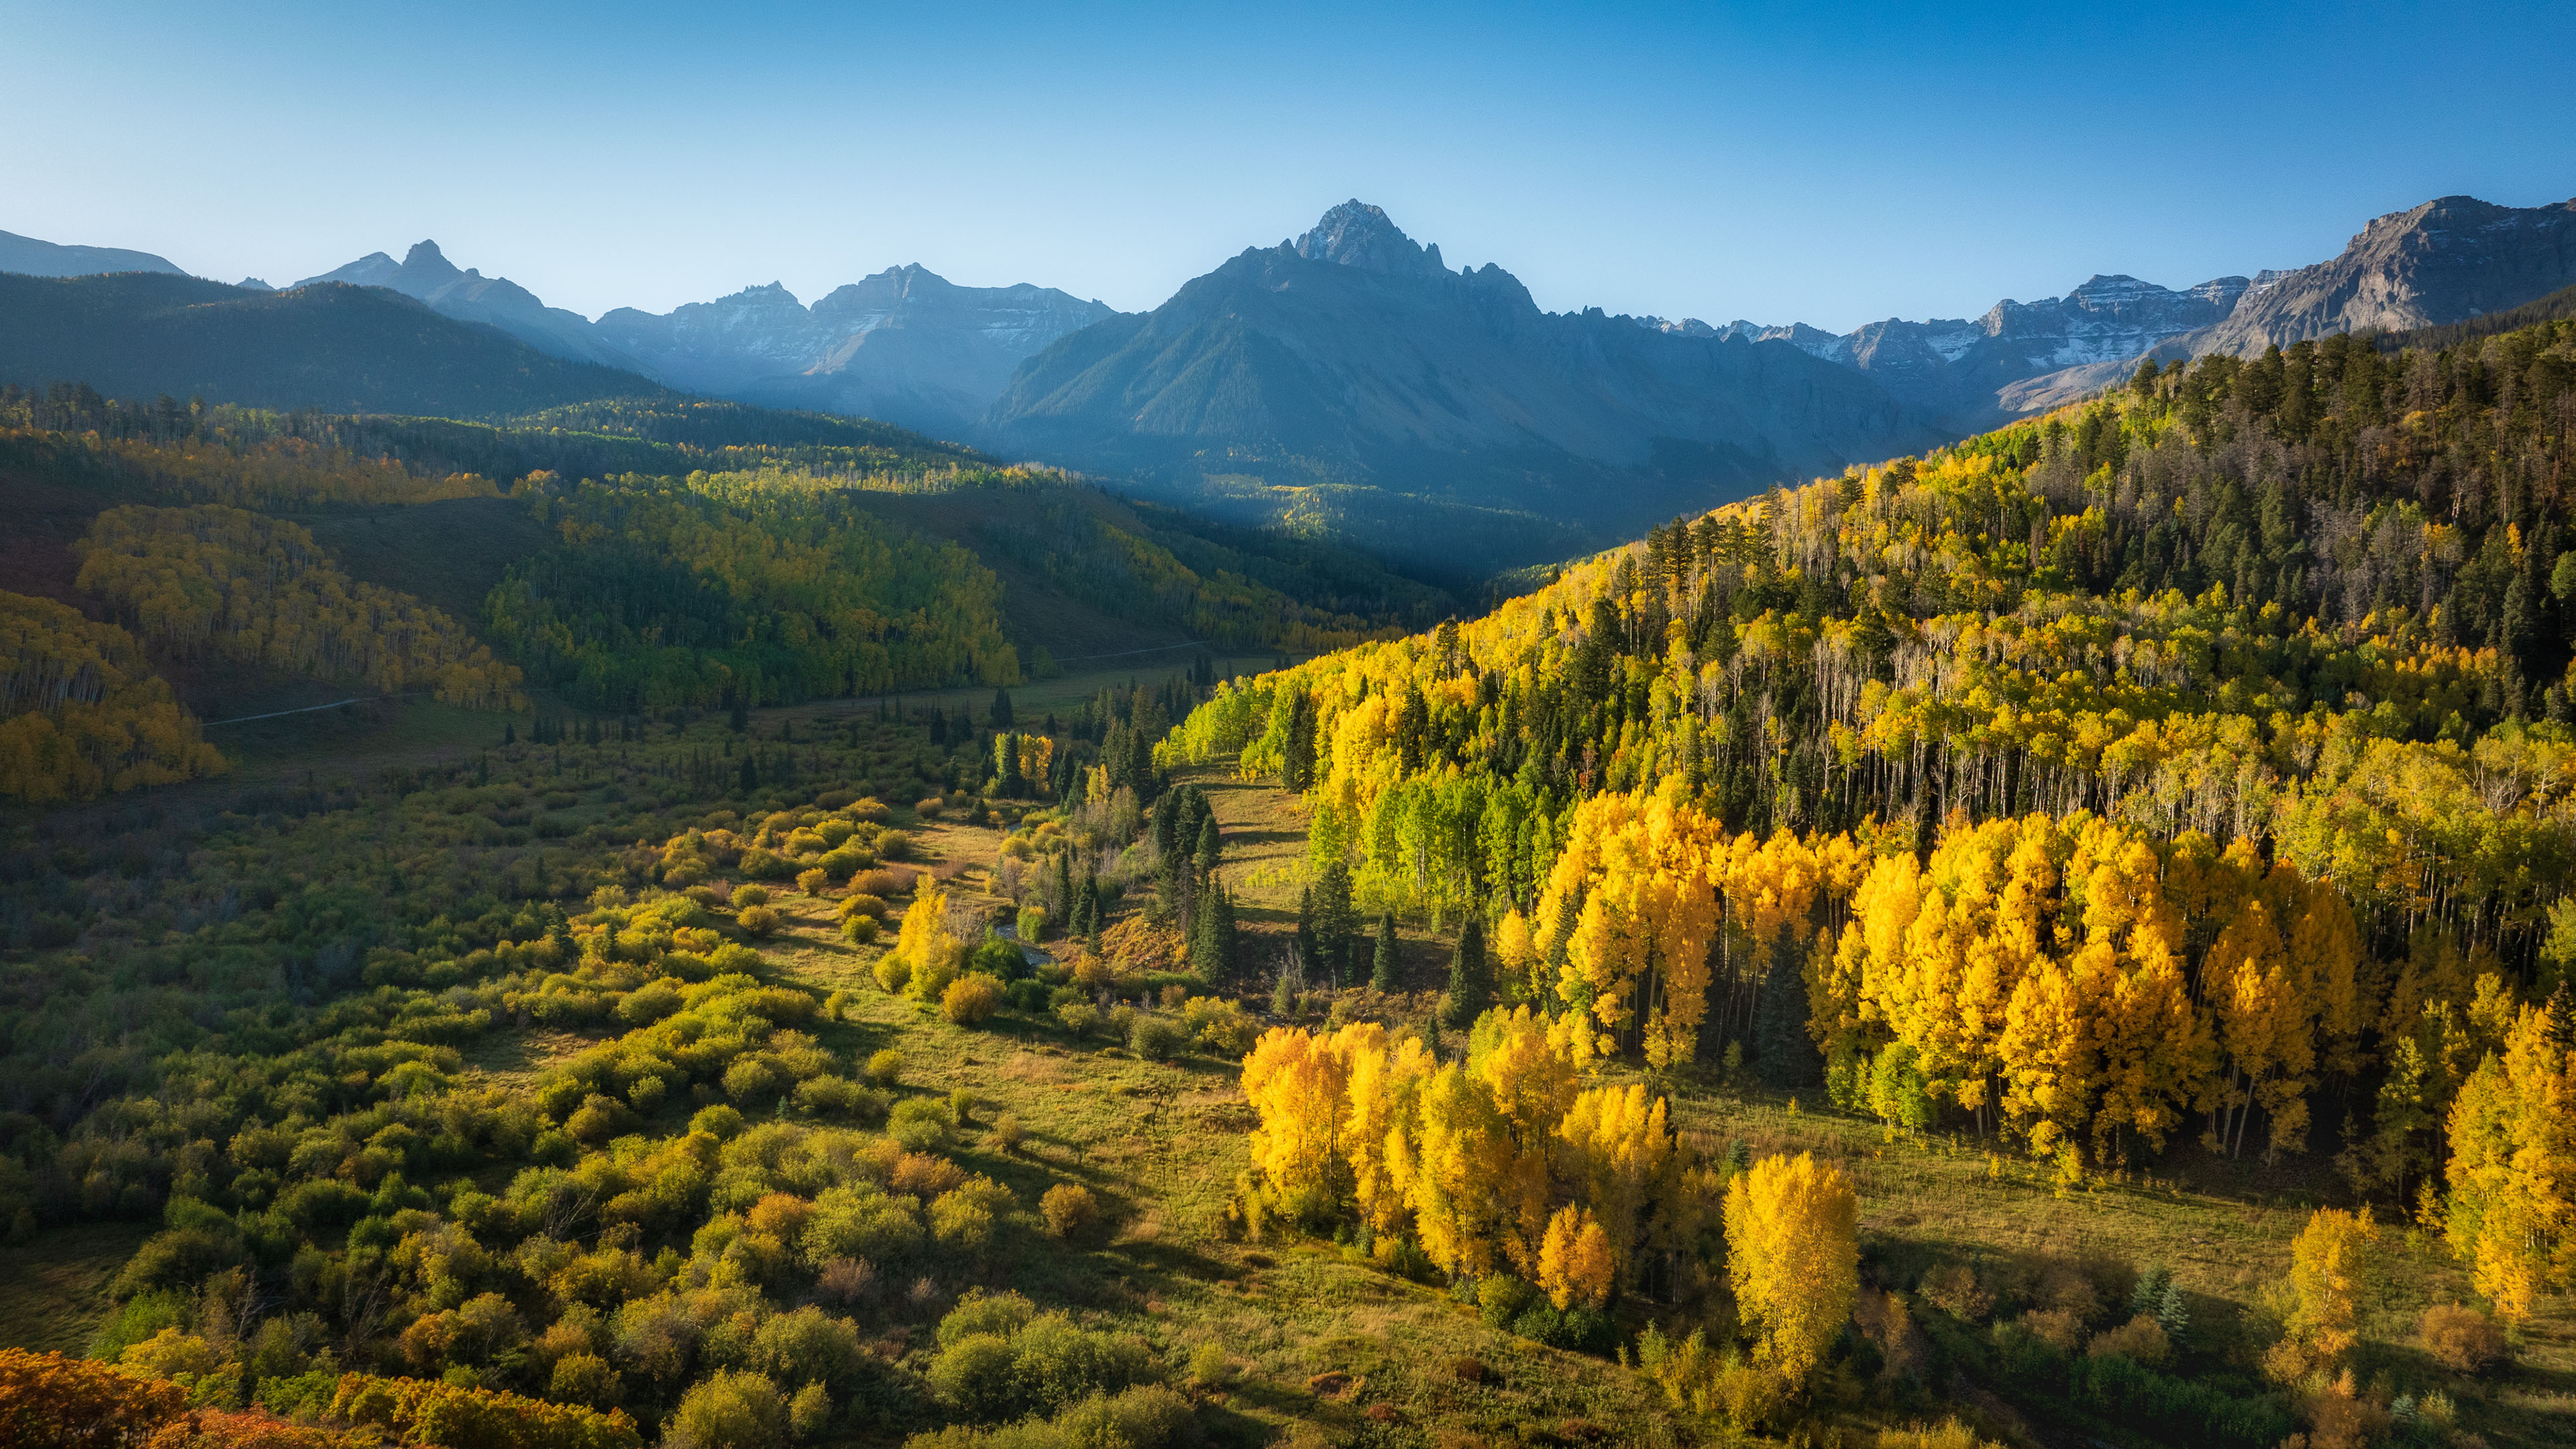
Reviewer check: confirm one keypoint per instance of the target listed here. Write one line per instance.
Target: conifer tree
(1471, 985)
(1383, 965)
(1783, 1050)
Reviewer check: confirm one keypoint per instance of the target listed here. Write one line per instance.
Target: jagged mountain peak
(1356, 234)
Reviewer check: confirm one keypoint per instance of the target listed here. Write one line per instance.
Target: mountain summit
(1356, 234)
(1353, 359)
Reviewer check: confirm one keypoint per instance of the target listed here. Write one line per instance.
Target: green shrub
(1156, 1038)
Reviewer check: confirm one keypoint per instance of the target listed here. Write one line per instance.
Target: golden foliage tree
(1793, 1257)
(81, 712)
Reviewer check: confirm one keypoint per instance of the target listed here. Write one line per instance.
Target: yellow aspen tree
(1849, 1001)
(1459, 1173)
(1632, 900)
(1575, 1264)
(926, 944)
(1614, 1150)
(2263, 1024)
(1530, 1084)
(1793, 1257)
(2509, 1208)
(1384, 1087)
(2326, 1267)
(2326, 943)
(1298, 1086)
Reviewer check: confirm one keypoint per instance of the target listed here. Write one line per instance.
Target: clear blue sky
(1775, 162)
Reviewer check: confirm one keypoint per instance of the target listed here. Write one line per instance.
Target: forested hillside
(2185, 776)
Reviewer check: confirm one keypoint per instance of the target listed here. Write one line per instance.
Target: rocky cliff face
(2448, 260)
(1353, 356)
(905, 345)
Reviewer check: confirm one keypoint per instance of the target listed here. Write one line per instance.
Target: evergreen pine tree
(1001, 709)
(750, 778)
(738, 718)
(1212, 945)
(2172, 1316)
(1471, 987)
(1382, 972)
(1785, 1054)
(1211, 848)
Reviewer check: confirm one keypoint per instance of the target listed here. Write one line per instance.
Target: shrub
(1953, 1289)
(1501, 1299)
(1220, 1025)
(1155, 1038)
(971, 999)
(750, 895)
(885, 1069)
(1211, 1367)
(1148, 1416)
(864, 930)
(1079, 1017)
(728, 1411)
(2141, 1339)
(892, 971)
(863, 906)
(846, 1280)
(2460, 1339)
(895, 845)
(973, 1375)
(999, 958)
(829, 1094)
(1032, 923)
(1030, 995)
(585, 1378)
(757, 920)
(928, 807)
(807, 1346)
(1068, 1208)
(755, 1079)
(812, 882)
(882, 883)
(961, 1106)
(2059, 1328)
(717, 1120)
(919, 1124)
(1007, 1132)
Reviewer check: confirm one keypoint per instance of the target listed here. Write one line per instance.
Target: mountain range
(2448, 260)
(1353, 357)
(1347, 379)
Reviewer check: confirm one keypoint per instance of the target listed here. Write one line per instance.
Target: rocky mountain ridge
(1352, 358)
(30, 257)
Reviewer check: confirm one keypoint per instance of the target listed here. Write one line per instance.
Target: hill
(1355, 358)
(29, 257)
(331, 347)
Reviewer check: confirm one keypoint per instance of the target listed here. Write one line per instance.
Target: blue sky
(1774, 162)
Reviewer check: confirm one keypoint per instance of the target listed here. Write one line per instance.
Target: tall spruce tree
(1382, 967)
(1783, 1052)
(1471, 985)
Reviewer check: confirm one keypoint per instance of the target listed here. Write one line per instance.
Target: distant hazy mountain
(354, 349)
(1354, 356)
(1956, 370)
(2445, 261)
(469, 296)
(32, 258)
(905, 345)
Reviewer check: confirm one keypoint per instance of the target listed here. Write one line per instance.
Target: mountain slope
(427, 275)
(1354, 356)
(29, 257)
(341, 347)
(906, 345)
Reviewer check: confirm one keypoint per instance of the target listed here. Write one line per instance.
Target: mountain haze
(363, 349)
(905, 345)
(1352, 356)
(29, 257)
(426, 275)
